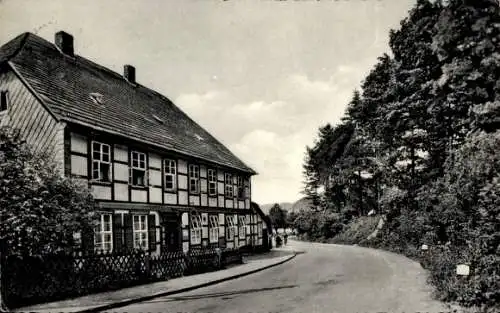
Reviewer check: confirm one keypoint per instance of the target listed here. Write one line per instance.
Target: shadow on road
(223, 295)
(268, 255)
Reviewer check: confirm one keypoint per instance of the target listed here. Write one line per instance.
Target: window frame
(228, 187)
(240, 187)
(138, 167)
(194, 176)
(231, 231)
(100, 246)
(195, 229)
(140, 231)
(100, 161)
(213, 228)
(167, 164)
(212, 181)
(4, 101)
(242, 226)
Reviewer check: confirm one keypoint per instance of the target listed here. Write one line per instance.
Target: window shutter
(146, 178)
(129, 231)
(88, 241)
(152, 232)
(130, 175)
(118, 243)
(111, 170)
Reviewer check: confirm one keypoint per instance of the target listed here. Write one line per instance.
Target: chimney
(129, 73)
(64, 42)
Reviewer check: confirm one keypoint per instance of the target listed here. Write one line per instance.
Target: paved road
(326, 278)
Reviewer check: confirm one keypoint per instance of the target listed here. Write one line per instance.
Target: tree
(466, 43)
(290, 218)
(40, 209)
(278, 216)
(316, 164)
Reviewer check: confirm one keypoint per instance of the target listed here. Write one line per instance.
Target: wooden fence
(31, 280)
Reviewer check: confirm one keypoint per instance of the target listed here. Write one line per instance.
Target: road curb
(172, 292)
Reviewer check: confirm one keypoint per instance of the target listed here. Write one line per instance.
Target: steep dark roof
(254, 206)
(65, 85)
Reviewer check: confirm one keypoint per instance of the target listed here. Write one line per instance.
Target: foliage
(418, 143)
(40, 209)
(278, 216)
(468, 212)
(291, 217)
(318, 225)
(357, 231)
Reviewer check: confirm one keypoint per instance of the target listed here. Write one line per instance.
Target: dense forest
(419, 146)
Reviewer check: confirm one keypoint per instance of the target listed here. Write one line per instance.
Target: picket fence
(31, 280)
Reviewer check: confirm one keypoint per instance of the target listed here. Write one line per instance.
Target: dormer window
(101, 163)
(194, 178)
(138, 172)
(96, 97)
(4, 101)
(228, 179)
(158, 119)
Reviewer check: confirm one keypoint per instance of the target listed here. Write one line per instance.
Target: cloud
(271, 136)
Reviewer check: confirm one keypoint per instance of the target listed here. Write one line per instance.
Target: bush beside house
(40, 209)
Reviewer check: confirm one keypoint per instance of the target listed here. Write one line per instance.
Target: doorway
(171, 230)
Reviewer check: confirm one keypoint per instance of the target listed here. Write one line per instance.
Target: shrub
(465, 209)
(40, 209)
(358, 230)
(316, 226)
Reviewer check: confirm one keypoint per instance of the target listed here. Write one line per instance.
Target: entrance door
(171, 234)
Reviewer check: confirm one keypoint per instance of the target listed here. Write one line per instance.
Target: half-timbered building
(161, 182)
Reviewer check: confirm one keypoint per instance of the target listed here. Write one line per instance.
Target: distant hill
(267, 207)
(302, 204)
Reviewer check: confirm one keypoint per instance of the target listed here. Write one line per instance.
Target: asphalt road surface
(326, 278)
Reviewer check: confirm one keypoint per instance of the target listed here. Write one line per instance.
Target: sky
(260, 75)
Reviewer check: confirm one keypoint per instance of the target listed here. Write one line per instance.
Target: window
(214, 228)
(140, 226)
(194, 178)
(230, 227)
(170, 169)
(77, 240)
(138, 175)
(247, 220)
(101, 163)
(241, 188)
(228, 179)
(242, 227)
(195, 229)
(4, 100)
(103, 235)
(212, 182)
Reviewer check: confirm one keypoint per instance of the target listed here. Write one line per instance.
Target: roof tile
(67, 83)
